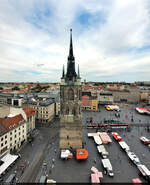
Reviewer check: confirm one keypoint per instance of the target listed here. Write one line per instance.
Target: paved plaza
(43, 156)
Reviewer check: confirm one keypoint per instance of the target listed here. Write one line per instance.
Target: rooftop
(11, 123)
(29, 111)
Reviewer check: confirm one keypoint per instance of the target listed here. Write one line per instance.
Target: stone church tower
(70, 105)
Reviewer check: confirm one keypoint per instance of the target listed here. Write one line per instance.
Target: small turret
(63, 75)
(78, 72)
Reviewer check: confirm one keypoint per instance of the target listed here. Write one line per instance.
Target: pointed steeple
(71, 57)
(63, 72)
(71, 64)
(78, 72)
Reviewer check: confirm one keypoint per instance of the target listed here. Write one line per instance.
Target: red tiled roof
(101, 87)
(29, 111)
(6, 90)
(117, 90)
(85, 87)
(119, 85)
(11, 123)
(111, 85)
(3, 130)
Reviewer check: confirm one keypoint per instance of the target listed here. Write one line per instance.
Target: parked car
(43, 179)
(11, 178)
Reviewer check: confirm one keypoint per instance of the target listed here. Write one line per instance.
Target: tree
(15, 88)
(14, 151)
(30, 138)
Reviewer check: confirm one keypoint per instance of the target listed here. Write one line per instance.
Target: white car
(133, 158)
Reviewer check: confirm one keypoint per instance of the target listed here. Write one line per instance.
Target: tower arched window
(67, 110)
(70, 94)
(74, 111)
(80, 95)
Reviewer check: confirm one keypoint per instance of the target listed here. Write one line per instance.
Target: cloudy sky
(111, 39)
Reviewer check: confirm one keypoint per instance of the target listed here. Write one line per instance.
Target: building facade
(16, 126)
(15, 134)
(129, 95)
(89, 103)
(105, 98)
(30, 119)
(45, 113)
(70, 105)
(4, 140)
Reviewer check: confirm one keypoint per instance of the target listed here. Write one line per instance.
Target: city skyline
(111, 40)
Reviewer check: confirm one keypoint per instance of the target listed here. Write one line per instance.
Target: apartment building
(89, 102)
(11, 99)
(129, 95)
(45, 113)
(144, 96)
(16, 131)
(15, 127)
(4, 139)
(105, 97)
(94, 104)
(30, 119)
(57, 111)
(86, 102)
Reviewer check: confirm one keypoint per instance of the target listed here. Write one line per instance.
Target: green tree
(15, 88)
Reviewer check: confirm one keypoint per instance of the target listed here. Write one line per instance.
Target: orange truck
(81, 154)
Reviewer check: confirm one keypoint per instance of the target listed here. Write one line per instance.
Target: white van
(124, 146)
(101, 149)
(66, 154)
(108, 167)
(144, 171)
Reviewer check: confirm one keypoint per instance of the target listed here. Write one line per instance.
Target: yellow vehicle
(112, 107)
(50, 181)
(108, 107)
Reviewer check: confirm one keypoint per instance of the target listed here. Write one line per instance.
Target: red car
(117, 136)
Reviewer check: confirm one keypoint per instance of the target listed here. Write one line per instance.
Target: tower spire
(71, 57)
(71, 64)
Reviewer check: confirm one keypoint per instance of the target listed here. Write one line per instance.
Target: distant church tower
(70, 105)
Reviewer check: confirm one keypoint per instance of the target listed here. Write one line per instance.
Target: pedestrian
(53, 160)
(55, 150)
(50, 171)
(22, 172)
